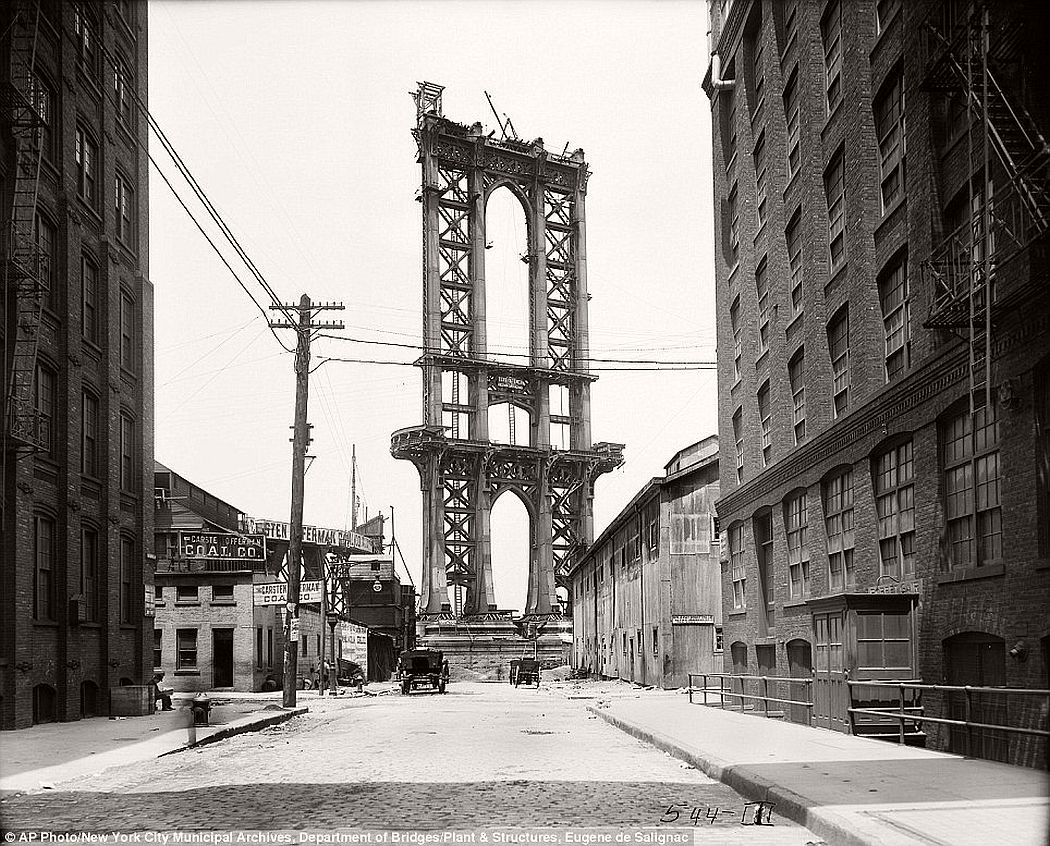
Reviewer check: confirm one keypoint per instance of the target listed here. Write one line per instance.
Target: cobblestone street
(482, 755)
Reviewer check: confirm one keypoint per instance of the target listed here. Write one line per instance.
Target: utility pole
(300, 441)
(353, 487)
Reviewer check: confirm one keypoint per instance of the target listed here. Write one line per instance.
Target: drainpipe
(717, 83)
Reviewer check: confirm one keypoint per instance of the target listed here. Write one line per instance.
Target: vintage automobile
(423, 669)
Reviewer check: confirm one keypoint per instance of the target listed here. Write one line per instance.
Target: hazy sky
(295, 118)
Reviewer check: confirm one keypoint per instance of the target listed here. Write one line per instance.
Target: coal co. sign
(221, 547)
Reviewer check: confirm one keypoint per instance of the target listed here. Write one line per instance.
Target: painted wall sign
(276, 593)
(318, 535)
(912, 586)
(512, 384)
(692, 619)
(222, 547)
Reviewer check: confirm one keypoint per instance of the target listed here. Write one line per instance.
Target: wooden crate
(132, 700)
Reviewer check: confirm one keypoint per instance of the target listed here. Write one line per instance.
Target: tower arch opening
(511, 550)
(510, 423)
(507, 301)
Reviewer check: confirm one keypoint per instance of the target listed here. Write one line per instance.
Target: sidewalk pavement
(848, 790)
(44, 755)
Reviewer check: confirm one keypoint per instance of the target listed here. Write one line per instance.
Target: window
(302, 645)
(894, 478)
(44, 556)
(89, 298)
(835, 190)
(222, 593)
(790, 9)
(798, 551)
(85, 31)
(794, 129)
(127, 580)
(186, 649)
(124, 205)
(89, 572)
(259, 646)
(762, 286)
(733, 215)
(889, 129)
(831, 33)
(797, 378)
(43, 96)
(838, 348)
(126, 10)
(971, 486)
(760, 177)
(89, 434)
(728, 100)
(269, 647)
(763, 526)
(44, 398)
(187, 593)
(656, 642)
(123, 91)
(86, 155)
(625, 643)
(719, 639)
(158, 650)
(45, 237)
(127, 454)
(158, 594)
(896, 317)
(127, 331)
(758, 72)
(738, 571)
(884, 12)
(651, 516)
(765, 416)
(794, 246)
(838, 521)
(734, 322)
(738, 436)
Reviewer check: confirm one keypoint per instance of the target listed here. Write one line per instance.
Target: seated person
(163, 695)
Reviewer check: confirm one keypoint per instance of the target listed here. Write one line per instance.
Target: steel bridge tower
(551, 463)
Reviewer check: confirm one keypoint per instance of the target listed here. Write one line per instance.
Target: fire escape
(24, 265)
(978, 272)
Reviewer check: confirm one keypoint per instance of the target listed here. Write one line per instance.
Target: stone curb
(795, 807)
(243, 727)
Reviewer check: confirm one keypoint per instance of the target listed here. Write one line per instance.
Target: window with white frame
(884, 13)
(889, 130)
(85, 154)
(734, 226)
(831, 34)
(896, 317)
(797, 379)
(738, 571)
(971, 487)
(45, 399)
(793, 234)
(734, 323)
(124, 206)
(765, 418)
(738, 436)
(838, 523)
(792, 111)
(760, 177)
(186, 649)
(838, 349)
(894, 483)
(758, 72)
(762, 288)
(835, 190)
(795, 522)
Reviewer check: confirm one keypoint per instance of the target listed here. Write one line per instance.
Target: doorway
(800, 666)
(977, 659)
(222, 657)
(829, 681)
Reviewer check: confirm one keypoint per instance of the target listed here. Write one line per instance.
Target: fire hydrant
(200, 708)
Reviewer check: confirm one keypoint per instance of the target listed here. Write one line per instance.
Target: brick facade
(60, 663)
(1002, 600)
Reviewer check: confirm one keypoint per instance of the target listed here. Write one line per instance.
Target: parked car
(421, 669)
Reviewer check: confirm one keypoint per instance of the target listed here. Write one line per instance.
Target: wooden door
(829, 683)
(800, 666)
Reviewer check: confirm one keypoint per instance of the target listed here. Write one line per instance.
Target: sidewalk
(56, 752)
(849, 790)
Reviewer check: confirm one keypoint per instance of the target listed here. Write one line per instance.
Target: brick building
(76, 528)
(884, 481)
(646, 596)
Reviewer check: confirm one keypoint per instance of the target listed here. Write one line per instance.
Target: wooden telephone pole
(300, 441)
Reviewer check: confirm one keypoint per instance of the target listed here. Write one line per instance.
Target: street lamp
(333, 621)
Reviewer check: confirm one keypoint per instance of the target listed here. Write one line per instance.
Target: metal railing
(721, 692)
(901, 714)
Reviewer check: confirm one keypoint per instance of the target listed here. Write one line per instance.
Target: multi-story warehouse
(646, 596)
(879, 168)
(77, 437)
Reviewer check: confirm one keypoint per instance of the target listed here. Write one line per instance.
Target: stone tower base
(481, 649)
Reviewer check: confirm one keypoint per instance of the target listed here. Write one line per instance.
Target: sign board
(692, 619)
(222, 547)
(150, 607)
(276, 530)
(276, 593)
(293, 629)
(508, 383)
(911, 586)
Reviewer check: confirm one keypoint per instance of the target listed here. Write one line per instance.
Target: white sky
(295, 118)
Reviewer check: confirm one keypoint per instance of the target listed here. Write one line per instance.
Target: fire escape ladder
(25, 265)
